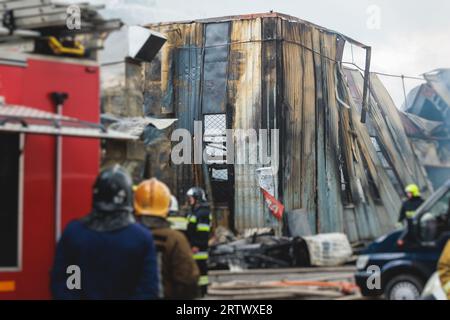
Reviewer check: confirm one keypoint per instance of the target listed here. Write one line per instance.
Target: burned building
(334, 173)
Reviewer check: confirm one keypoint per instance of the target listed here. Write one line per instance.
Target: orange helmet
(152, 197)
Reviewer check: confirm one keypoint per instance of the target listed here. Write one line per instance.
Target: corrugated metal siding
(330, 215)
(373, 215)
(401, 142)
(291, 118)
(319, 142)
(271, 71)
(311, 173)
(188, 73)
(299, 124)
(173, 86)
(245, 98)
(388, 128)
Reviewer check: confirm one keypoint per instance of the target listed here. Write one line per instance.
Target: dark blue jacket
(118, 264)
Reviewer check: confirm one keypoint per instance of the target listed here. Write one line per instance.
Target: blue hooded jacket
(119, 264)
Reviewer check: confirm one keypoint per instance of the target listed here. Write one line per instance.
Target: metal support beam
(365, 98)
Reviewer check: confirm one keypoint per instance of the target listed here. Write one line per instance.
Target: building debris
(152, 138)
(265, 250)
(328, 249)
(426, 119)
(144, 44)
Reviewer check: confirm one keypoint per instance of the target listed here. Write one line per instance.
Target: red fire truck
(49, 158)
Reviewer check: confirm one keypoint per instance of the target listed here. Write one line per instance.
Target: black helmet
(197, 193)
(112, 190)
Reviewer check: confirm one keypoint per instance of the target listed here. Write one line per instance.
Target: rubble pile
(263, 249)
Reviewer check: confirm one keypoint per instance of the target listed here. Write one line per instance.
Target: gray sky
(407, 37)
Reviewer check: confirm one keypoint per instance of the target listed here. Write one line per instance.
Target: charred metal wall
(172, 87)
(277, 72)
(252, 97)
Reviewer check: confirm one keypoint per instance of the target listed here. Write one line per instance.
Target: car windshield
(433, 218)
(440, 207)
(438, 201)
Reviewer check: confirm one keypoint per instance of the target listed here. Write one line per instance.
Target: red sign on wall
(275, 206)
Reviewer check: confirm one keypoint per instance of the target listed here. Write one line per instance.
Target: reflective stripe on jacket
(408, 209)
(201, 255)
(203, 281)
(178, 223)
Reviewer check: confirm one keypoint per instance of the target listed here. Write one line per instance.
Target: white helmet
(173, 204)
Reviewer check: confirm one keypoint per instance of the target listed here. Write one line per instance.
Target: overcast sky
(407, 37)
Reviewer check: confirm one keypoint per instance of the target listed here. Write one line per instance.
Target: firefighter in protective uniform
(199, 219)
(115, 255)
(444, 269)
(179, 272)
(408, 209)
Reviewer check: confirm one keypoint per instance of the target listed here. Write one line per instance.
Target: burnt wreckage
(344, 157)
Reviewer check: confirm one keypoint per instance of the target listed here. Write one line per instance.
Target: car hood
(386, 243)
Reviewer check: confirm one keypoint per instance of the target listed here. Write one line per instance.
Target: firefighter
(106, 254)
(198, 230)
(178, 270)
(408, 209)
(177, 221)
(444, 269)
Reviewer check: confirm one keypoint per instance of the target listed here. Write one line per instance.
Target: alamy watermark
(73, 20)
(374, 280)
(73, 281)
(373, 21)
(242, 146)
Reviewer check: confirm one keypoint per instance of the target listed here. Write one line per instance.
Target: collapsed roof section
(387, 133)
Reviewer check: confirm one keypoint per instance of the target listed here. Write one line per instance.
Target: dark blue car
(398, 264)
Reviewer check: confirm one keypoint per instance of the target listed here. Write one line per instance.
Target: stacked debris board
(272, 71)
(284, 283)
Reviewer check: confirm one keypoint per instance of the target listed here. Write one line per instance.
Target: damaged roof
(252, 16)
